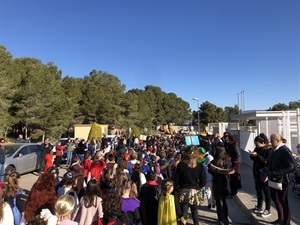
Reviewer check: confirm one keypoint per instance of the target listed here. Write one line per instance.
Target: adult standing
(261, 157)
(220, 170)
(190, 178)
(2, 159)
(82, 148)
(70, 149)
(120, 150)
(20, 139)
(46, 148)
(233, 151)
(59, 153)
(281, 165)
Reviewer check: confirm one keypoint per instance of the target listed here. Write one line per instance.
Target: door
(22, 160)
(35, 156)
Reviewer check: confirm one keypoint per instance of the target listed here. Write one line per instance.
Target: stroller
(296, 183)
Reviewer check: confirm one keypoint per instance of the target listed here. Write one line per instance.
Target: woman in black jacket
(220, 169)
(261, 157)
(190, 178)
(281, 165)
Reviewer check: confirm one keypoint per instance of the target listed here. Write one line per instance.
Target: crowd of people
(156, 181)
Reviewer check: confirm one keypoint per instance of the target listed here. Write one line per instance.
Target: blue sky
(211, 49)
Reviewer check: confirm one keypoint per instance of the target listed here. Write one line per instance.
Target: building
(83, 130)
(286, 123)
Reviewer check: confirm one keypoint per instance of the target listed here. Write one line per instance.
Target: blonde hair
(276, 137)
(64, 207)
(129, 184)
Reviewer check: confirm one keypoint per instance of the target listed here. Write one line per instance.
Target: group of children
(133, 188)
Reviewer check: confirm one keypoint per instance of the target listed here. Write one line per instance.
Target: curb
(249, 215)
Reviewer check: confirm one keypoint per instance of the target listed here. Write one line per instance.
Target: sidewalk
(246, 199)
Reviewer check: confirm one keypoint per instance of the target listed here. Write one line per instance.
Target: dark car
(22, 157)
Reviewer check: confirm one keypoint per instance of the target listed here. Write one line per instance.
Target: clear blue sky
(211, 49)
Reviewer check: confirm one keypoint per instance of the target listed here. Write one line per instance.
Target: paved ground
(239, 213)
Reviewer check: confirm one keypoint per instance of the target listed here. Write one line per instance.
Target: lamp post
(197, 99)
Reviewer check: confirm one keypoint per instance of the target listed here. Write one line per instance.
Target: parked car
(110, 138)
(22, 157)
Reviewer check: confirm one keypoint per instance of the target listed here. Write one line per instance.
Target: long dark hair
(220, 159)
(262, 139)
(190, 156)
(92, 192)
(135, 176)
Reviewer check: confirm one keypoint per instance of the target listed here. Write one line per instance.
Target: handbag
(276, 184)
(264, 174)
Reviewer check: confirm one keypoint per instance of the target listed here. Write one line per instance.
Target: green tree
(294, 105)
(6, 90)
(279, 107)
(210, 113)
(102, 97)
(230, 111)
(95, 132)
(39, 103)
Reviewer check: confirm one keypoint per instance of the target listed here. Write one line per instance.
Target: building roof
(254, 115)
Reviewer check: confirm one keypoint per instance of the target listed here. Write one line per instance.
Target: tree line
(36, 100)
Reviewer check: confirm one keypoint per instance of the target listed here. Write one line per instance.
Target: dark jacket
(2, 155)
(220, 178)
(187, 177)
(81, 148)
(260, 161)
(165, 168)
(281, 164)
(46, 149)
(149, 196)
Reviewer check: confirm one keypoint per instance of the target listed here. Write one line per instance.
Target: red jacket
(59, 150)
(96, 169)
(48, 162)
(86, 165)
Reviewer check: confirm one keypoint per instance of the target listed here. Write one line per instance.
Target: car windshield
(63, 142)
(10, 149)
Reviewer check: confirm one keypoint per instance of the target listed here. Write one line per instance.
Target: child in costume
(49, 158)
(169, 211)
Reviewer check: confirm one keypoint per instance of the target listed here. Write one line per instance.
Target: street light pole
(197, 99)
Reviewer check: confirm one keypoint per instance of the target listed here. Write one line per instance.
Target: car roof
(20, 144)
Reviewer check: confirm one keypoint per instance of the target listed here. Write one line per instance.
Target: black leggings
(58, 160)
(194, 211)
